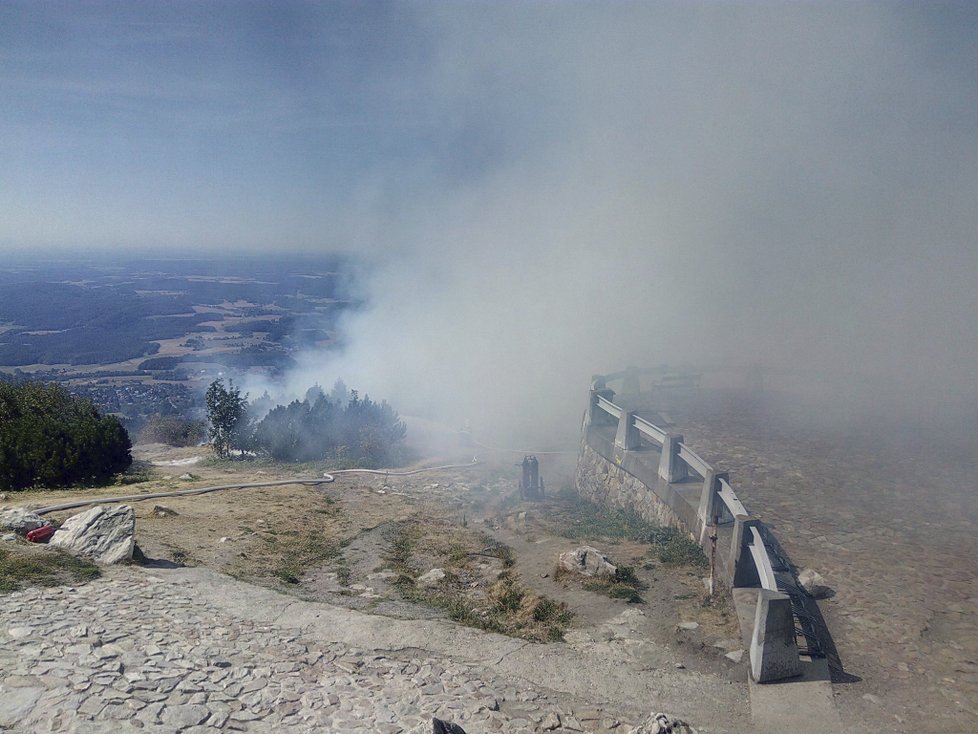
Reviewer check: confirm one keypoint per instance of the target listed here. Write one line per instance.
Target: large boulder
(104, 534)
(587, 561)
(20, 521)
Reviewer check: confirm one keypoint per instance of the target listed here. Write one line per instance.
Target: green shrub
(51, 438)
(588, 520)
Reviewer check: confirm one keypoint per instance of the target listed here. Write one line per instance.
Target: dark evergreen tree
(356, 431)
(50, 438)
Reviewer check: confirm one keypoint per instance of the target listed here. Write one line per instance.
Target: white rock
(813, 583)
(587, 561)
(431, 578)
(654, 724)
(735, 656)
(381, 575)
(106, 535)
(688, 625)
(20, 520)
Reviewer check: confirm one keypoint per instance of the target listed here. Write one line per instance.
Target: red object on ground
(42, 533)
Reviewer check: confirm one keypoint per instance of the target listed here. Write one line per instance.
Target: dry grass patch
(22, 565)
(286, 552)
(498, 604)
(623, 585)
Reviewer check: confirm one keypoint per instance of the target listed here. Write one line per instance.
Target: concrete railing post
(773, 651)
(628, 437)
(671, 467)
(708, 500)
(740, 565)
(592, 404)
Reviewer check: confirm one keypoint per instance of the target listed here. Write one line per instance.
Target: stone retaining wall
(606, 483)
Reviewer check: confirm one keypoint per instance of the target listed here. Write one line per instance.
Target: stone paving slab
(193, 651)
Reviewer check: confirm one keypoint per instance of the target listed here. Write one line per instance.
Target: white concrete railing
(762, 561)
(717, 499)
(608, 407)
(650, 430)
(734, 505)
(694, 461)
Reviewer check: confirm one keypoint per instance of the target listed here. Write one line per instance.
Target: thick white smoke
(721, 184)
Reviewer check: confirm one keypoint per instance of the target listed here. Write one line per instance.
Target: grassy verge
(675, 548)
(623, 585)
(21, 567)
(584, 521)
(581, 520)
(298, 551)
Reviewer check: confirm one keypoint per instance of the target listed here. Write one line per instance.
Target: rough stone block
(106, 535)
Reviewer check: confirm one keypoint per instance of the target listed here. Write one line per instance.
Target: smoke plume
(720, 184)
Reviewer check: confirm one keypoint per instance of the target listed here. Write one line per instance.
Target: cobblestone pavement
(138, 651)
(890, 521)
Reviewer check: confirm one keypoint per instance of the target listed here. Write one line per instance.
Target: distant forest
(70, 313)
(89, 325)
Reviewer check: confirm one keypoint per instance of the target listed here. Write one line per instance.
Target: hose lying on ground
(327, 478)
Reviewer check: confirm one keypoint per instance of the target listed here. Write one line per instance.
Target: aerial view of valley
(144, 337)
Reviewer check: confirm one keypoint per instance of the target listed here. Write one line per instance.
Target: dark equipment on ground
(531, 485)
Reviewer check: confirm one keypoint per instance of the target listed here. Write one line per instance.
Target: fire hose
(327, 478)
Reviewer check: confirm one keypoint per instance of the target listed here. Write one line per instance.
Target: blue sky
(213, 123)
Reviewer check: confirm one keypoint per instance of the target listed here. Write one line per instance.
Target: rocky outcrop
(20, 521)
(587, 561)
(661, 724)
(104, 534)
(431, 578)
(813, 583)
